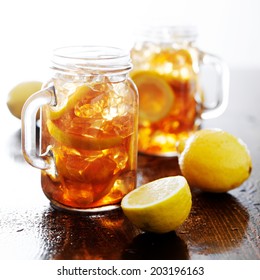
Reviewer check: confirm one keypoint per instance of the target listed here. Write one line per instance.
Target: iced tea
(92, 137)
(170, 99)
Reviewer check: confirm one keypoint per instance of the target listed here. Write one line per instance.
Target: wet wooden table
(220, 226)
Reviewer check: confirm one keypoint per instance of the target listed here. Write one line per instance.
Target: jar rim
(168, 33)
(89, 58)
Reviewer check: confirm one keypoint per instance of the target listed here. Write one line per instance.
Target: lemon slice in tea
(159, 206)
(155, 95)
(83, 141)
(77, 95)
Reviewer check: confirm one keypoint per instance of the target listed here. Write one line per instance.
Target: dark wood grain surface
(220, 226)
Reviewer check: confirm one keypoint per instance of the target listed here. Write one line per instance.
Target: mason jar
(88, 129)
(173, 101)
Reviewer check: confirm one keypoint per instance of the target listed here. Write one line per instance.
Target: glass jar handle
(222, 85)
(45, 96)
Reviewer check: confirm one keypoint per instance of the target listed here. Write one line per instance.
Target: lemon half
(159, 206)
(156, 97)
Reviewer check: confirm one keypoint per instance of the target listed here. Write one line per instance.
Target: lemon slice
(155, 95)
(77, 95)
(83, 142)
(159, 206)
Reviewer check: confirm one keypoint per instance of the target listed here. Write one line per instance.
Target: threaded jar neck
(91, 60)
(167, 34)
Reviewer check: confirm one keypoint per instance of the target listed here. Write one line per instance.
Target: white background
(31, 29)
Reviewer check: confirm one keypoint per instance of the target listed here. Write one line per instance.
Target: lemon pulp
(155, 95)
(159, 206)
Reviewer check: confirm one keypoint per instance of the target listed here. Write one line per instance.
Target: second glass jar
(166, 71)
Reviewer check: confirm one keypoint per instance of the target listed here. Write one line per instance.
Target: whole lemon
(214, 160)
(19, 94)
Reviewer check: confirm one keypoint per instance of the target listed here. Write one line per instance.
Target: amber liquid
(176, 68)
(92, 137)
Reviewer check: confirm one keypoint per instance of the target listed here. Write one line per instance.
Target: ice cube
(91, 108)
(119, 156)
